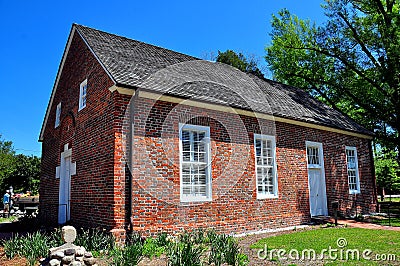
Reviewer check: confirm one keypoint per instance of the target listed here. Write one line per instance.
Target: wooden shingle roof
(134, 64)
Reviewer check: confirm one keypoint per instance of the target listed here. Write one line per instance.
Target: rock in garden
(68, 234)
(69, 252)
(54, 262)
(67, 259)
(75, 263)
(80, 252)
(57, 255)
(88, 254)
(89, 261)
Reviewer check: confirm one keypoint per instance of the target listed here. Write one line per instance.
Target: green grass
(378, 241)
(385, 221)
(387, 199)
(9, 219)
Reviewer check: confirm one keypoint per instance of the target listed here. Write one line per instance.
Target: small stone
(54, 262)
(75, 263)
(68, 234)
(67, 259)
(69, 252)
(89, 261)
(57, 255)
(88, 254)
(80, 252)
(79, 258)
(44, 261)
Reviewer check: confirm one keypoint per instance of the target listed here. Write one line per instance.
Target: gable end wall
(90, 133)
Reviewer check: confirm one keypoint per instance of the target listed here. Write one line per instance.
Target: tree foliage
(247, 65)
(387, 172)
(352, 62)
(18, 170)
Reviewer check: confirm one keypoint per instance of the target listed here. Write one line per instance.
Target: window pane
(258, 147)
(194, 154)
(265, 175)
(313, 155)
(352, 171)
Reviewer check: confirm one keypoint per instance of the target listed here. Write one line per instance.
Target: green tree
(6, 159)
(352, 62)
(25, 175)
(20, 171)
(239, 61)
(387, 172)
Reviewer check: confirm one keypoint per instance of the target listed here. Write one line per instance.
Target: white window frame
(193, 198)
(357, 190)
(318, 145)
(274, 168)
(58, 115)
(82, 94)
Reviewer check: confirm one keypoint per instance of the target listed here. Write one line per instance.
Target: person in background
(6, 203)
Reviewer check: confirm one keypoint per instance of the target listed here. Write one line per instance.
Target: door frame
(322, 170)
(63, 217)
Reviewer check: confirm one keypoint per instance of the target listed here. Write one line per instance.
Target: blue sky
(34, 34)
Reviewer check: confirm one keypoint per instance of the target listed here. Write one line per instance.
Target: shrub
(130, 255)
(225, 249)
(184, 252)
(162, 240)
(151, 248)
(32, 246)
(95, 239)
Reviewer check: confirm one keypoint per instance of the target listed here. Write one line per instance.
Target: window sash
(58, 115)
(266, 180)
(352, 170)
(195, 168)
(313, 157)
(82, 94)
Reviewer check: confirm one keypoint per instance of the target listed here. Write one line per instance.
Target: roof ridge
(130, 39)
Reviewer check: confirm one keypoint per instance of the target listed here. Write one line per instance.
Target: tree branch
(383, 11)
(370, 108)
(323, 94)
(346, 63)
(359, 41)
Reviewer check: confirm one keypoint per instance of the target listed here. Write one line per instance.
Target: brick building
(140, 137)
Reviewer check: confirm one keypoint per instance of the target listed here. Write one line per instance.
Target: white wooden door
(316, 179)
(65, 190)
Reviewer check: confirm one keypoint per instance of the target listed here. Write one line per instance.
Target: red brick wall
(92, 133)
(234, 208)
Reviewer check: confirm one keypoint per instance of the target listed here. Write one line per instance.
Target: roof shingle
(136, 64)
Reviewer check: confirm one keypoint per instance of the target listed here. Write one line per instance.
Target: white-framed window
(82, 95)
(58, 115)
(265, 165)
(314, 156)
(195, 164)
(352, 170)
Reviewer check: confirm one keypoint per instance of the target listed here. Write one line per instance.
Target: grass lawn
(9, 219)
(341, 243)
(385, 221)
(387, 199)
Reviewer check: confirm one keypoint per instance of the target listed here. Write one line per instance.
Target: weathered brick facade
(234, 207)
(111, 146)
